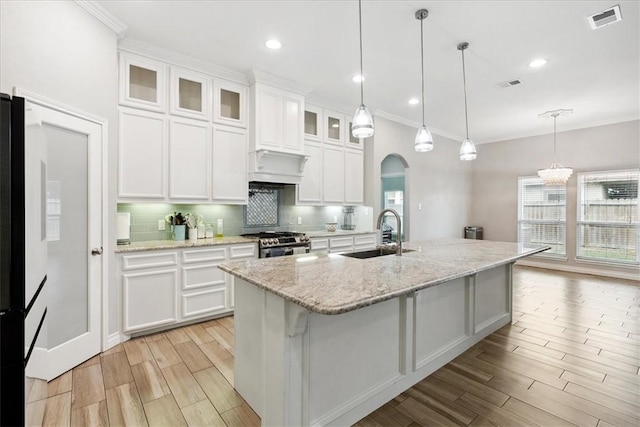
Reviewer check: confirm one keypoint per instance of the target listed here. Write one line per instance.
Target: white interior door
(73, 241)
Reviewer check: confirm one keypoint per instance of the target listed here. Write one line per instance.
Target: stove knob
(272, 241)
(265, 242)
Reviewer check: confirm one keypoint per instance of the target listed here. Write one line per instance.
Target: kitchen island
(327, 339)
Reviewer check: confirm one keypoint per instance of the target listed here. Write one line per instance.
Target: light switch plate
(161, 225)
(299, 220)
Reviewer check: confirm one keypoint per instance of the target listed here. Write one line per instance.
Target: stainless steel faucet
(399, 234)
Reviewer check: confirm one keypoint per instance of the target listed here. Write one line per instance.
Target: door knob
(96, 251)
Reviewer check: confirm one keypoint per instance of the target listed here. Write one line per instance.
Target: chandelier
(556, 174)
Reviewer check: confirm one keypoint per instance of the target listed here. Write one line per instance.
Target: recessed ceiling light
(358, 78)
(414, 101)
(273, 44)
(537, 63)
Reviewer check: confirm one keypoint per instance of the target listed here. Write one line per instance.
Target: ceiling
(594, 72)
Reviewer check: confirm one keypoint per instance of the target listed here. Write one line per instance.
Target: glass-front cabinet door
(142, 83)
(333, 127)
(313, 123)
(349, 140)
(229, 103)
(189, 94)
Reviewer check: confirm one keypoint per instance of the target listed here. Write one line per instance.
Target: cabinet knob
(96, 251)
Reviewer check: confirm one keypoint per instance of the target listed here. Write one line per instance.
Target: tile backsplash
(145, 217)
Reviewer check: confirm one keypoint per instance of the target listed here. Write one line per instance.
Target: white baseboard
(113, 340)
(628, 275)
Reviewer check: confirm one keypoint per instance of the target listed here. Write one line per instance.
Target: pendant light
(467, 149)
(556, 174)
(424, 140)
(362, 123)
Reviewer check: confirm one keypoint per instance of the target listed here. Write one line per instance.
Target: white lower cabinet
(364, 242)
(351, 243)
(238, 253)
(166, 288)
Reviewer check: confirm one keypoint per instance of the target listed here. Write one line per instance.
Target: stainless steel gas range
(281, 243)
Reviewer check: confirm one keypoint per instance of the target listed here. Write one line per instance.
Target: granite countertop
(335, 284)
(337, 233)
(153, 245)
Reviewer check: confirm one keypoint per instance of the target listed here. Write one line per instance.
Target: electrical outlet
(335, 218)
(299, 220)
(161, 224)
(419, 206)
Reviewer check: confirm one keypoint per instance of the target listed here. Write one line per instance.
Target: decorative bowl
(331, 226)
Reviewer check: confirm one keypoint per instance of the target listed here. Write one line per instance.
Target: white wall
(437, 179)
(496, 170)
(58, 50)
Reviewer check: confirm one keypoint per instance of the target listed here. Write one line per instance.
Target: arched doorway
(394, 196)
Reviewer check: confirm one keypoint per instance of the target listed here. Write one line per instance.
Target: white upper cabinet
(142, 145)
(190, 94)
(229, 181)
(143, 83)
(349, 140)
(310, 189)
(278, 119)
(334, 123)
(313, 125)
(333, 174)
(189, 148)
(229, 103)
(353, 177)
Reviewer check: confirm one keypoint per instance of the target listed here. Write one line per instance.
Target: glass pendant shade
(555, 175)
(362, 125)
(424, 140)
(467, 150)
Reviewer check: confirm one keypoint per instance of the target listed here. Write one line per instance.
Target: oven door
(284, 251)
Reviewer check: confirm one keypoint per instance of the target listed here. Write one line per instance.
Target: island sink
(372, 253)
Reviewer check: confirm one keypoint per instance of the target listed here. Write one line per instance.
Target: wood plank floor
(570, 357)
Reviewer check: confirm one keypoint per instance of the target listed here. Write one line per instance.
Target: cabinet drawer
(204, 302)
(137, 262)
(149, 299)
(364, 242)
(340, 242)
(202, 275)
(243, 251)
(319, 244)
(204, 255)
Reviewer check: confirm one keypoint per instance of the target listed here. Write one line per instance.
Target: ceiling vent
(606, 17)
(509, 83)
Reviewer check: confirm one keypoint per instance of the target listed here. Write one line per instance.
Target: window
(607, 227)
(542, 215)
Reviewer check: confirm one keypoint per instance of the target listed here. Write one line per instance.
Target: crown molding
(576, 127)
(416, 125)
(154, 52)
(257, 76)
(103, 16)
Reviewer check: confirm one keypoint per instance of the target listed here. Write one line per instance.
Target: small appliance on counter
(124, 228)
(348, 219)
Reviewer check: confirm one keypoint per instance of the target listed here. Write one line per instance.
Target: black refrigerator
(15, 302)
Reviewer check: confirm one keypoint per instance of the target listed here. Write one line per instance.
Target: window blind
(607, 226)
(542, 215)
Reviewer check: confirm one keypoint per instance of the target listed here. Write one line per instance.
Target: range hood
(276, 166)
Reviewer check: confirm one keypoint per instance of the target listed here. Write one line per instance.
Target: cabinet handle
(96, 251)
